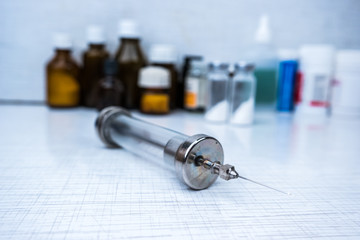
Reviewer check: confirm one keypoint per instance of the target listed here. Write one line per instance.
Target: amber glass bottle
(130, 60)
(62, 74)
(165, 56)
(93, 60)
(154, 83)
(110, 90)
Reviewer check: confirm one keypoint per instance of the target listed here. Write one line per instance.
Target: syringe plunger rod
(198, 159)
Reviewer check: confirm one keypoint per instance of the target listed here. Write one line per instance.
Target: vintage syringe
(198, 159)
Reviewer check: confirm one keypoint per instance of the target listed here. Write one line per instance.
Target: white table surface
(58, 181)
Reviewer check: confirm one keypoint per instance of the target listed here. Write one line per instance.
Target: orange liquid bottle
(163, 55)
(62, 73)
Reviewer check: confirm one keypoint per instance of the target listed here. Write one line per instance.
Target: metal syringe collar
(104, 119)
(184, 153)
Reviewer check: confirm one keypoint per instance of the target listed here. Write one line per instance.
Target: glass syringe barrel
(141, 137)
(116, 127)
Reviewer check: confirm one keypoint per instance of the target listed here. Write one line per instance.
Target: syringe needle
(228, 172)
(247, 179)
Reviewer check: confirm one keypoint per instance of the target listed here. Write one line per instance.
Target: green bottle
(265, 59)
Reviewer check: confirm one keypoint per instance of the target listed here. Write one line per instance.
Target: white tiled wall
(216, 29)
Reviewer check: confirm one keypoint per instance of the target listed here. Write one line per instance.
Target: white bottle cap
(154, 77)
(263, 33)
(62, 41)
(95, 34)
(288, 54)
(317, 55)
(128, 29)
(161, 53)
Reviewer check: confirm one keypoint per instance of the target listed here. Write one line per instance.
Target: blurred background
(216, 30)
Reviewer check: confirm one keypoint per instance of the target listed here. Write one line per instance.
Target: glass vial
(62, 74)
(195, 86)
(130, 59)
(155, 85)
(110, 90)
(184, 72)
(217, 106)
(165, 56)
(93, 68)
(242, 94)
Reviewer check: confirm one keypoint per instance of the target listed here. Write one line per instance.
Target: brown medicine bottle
(130, 60)
(163, 55)
(154, 83)
(62, 74)
(110, 90)
(93, 68)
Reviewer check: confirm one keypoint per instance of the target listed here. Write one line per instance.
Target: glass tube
(141, 138)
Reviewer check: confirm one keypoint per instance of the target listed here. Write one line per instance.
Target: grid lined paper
(58, 181)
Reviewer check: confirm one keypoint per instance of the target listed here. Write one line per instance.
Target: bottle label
(155, 103)
(192, 93)
(314, 88)
(320, 87)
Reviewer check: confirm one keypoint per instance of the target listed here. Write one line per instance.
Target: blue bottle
(286, 82)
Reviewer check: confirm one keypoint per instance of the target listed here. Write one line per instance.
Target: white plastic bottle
(345, 97)
(164, 55)
(316, 73)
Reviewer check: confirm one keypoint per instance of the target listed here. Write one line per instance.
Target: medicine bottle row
(69, 85)
(317, 80)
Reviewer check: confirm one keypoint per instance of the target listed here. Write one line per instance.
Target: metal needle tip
(247, 179)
